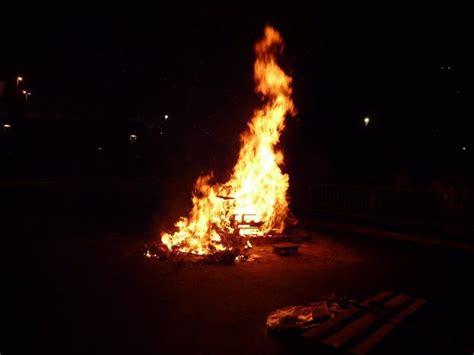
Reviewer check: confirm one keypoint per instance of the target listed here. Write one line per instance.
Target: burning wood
(253, 202)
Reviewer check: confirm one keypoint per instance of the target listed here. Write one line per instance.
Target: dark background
(98, 74)
(73, 187)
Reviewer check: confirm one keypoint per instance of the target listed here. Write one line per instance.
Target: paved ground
(87, 296)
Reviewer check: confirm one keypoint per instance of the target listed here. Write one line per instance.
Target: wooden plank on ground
(319, 329)
(385, 329)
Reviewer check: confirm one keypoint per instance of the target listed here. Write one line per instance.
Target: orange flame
(253, 202)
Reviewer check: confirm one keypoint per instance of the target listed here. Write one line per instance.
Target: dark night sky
(390, 62)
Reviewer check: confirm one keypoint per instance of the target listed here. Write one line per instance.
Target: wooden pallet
(362, 327)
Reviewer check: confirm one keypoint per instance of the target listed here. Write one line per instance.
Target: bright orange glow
(253, 202)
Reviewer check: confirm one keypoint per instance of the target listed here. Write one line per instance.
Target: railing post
(372, 204)
(309, 200)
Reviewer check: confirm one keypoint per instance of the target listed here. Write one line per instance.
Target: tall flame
(253, 201)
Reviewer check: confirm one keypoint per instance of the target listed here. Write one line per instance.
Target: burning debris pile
(253, 202)
(238, 254)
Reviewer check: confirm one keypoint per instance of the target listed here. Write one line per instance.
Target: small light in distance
(7, 127)
(133, 138)
(463, 148)
(366, 121)
(166, 117)
(99, 148)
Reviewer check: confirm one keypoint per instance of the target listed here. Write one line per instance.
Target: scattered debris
(247, 257)
(320, 311)
(285, 249)
(290, 319)
(248, 245)
(226, 257)
(159, 252)
(241, 258)
(237, 253)
(302, 317)
(339, 303)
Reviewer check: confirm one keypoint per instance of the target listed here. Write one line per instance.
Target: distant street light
(26, 93)
(7, 127)
(132, 138)
(18, 79)
(166, 117)
(366, 121)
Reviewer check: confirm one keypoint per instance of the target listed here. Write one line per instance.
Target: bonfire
(253, 202)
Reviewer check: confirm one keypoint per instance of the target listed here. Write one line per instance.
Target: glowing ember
(253, 202)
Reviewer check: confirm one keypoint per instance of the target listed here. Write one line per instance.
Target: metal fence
(423, 208)
(122, 203)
